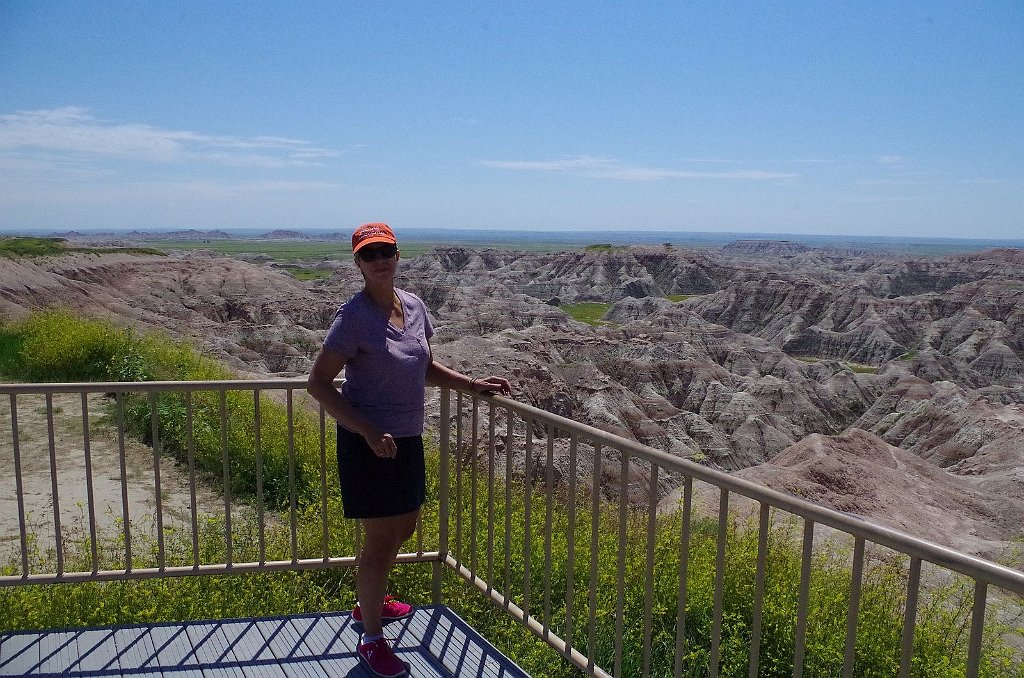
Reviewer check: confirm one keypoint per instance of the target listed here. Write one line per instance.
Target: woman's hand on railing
(491, 384)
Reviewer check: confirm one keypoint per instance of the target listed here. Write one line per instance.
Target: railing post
(977, 629)
(763, 527)
(910, 617)
(718, 598)
(19, 484)
(853, 613)
(444, 432)
(154, 424)
(803, 598)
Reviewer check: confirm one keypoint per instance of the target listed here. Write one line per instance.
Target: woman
(381, 338)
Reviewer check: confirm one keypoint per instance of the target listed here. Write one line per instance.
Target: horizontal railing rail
(557, 523)
(155, 386)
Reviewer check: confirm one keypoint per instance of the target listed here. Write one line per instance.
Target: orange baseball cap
(368, 234)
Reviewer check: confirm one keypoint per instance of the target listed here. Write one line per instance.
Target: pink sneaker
(392, 610)
(380, 660)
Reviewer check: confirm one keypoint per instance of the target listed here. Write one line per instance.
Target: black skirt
(372, 487)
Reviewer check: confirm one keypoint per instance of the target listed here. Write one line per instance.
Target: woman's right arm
(320, 385)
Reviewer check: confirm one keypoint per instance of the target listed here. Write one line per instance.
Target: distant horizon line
(575, 234)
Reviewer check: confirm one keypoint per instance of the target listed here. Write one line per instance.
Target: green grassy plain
(318, 250)
(278, 250)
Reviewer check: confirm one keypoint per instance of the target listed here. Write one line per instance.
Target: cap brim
(373, 240)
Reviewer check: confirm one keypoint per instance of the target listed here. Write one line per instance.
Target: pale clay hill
(888, 387)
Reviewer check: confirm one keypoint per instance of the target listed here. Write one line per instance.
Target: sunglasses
(369, 254)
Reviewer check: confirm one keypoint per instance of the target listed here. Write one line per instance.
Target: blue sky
(865, 118)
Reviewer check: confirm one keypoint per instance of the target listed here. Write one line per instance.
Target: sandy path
(69, 464)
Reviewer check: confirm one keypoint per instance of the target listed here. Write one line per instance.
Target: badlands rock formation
(813, 369)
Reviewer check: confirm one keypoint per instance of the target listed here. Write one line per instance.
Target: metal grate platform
(434, 642)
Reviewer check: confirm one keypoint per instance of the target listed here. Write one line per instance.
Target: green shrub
(56, 346)
(18, 246)
(10, 350)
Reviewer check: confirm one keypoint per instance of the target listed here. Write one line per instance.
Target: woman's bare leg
(382, 537)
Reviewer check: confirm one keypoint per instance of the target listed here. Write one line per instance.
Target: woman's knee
(391, 532)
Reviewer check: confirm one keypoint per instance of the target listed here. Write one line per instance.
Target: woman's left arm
(441, 375)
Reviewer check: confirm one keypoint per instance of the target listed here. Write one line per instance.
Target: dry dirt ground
(67, 464)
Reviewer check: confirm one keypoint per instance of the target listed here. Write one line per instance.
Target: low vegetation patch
(676, 298)
(310, 273)
(19, 246)
(590, 312)
(31, 247)
(857, 368)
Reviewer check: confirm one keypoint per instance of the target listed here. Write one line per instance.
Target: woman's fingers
(495, 384)
(383, 445)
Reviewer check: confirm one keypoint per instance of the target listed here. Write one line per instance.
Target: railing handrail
(155, 386)
(972, 566)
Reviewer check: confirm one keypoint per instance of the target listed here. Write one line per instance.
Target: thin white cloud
(892, 159)
(893, 182)
(937, 182)
(254, 187)
(604, 168)
(890, 199)
(984, 182)
(72, 132)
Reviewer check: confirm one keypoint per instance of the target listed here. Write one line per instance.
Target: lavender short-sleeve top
(387, 368)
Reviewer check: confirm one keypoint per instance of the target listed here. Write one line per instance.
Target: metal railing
(640, 471)
(556, 522)
(141, 512)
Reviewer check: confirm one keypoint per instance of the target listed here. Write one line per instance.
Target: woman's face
(382, 268)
